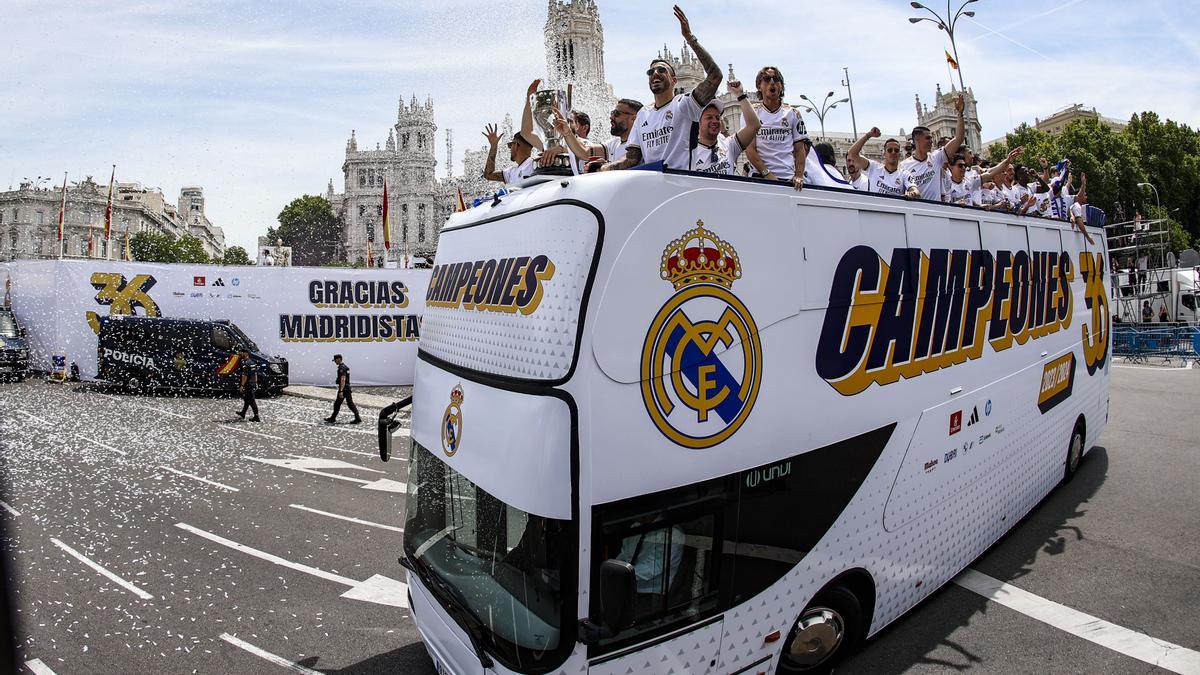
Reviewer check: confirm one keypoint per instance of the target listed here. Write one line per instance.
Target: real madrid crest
(702, 359)
(452, 422)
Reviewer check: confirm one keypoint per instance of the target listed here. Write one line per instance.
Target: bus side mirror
(388, 424)
(617, 588)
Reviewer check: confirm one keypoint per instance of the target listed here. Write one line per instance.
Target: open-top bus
(678, 423)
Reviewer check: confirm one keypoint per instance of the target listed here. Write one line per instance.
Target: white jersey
(518, 173)
(614, 149)
(967, 192)
(926, 174)
(1060, 206)
(882, 181)
(860, 183)
(719, 158)
(1077, 212)
(654, 131)
(781, 130)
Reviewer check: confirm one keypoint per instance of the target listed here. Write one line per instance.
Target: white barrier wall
(305, 314)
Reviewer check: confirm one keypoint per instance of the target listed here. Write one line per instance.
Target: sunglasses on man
(772, 78)
(658, 70)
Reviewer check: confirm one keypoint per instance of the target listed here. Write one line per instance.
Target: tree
(235, 255)
(153, 247)
(309, 226)
(188, 249)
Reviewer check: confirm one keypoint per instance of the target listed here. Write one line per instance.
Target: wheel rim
(818, 634)
(134, 383)
(1076, 451)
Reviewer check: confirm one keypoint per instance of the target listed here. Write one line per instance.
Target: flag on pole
(951, 61)
(108, 209)
(89, 243)
(128, 257)
(462, 204)
(387, 226)
(370, 258)
(62, 213)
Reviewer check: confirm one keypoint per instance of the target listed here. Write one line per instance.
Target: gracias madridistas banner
(305, 314)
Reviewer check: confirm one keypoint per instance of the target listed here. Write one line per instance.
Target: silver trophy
(543, 106)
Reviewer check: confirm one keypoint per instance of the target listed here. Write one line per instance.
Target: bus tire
(1074, 450)
(830, 628)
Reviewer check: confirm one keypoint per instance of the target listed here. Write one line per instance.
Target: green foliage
(235, 255)
(1149, 150)
(188, 249)
(153, 247)
(334, 262)
(309, 226)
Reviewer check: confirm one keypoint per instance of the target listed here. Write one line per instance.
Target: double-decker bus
(665, 422)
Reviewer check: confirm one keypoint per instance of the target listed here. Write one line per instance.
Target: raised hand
(533, 87)
(1016, 152)
(959, 104)
(560, 122)
(492, 133)
(874, 132)
(735, 87)
(684, 27)
(1043, 162)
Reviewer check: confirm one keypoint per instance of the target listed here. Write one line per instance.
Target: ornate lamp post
(947, 26)
(822, 110)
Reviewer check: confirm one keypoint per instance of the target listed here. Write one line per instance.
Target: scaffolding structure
(1142, 267)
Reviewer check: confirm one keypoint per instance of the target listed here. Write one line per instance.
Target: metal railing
(1150, 343)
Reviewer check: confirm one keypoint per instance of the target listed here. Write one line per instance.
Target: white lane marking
(109, 575)
(38, 668)
(106, 447)
(202, 480)
(271, 558)
(16, 513)
(1117, 638)
(311, 464)
(126, 401)
(323, 463)
(34, 417)
(225, 425)
(268, 656)
(377, 589)
(353, 452)
(348, 518)
(339, 427)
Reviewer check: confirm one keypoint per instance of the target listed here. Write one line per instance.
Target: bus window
(221, 339)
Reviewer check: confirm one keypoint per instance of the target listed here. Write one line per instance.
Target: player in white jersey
(855, 176)
(965, 186)
(661, 130)
(925, 167)
(1078, 210)
(580, 125)
(620, 122)
(782, 143)
(717, 153)
(520, 151)
(885, 178)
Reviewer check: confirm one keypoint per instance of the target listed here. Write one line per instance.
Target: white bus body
(737, 404)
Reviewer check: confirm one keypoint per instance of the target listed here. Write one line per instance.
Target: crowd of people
(684, 131)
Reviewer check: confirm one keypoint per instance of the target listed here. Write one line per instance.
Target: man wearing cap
(343, 393)
(248, 385)
(714, 152)
(520, 151)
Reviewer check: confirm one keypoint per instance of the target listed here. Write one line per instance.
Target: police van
(143, 353)
(14, 349)
(665, 422)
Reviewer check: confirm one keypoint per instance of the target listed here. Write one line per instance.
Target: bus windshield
(497, 568)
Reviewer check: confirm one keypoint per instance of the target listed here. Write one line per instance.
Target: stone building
(942, 119)
(29, 219)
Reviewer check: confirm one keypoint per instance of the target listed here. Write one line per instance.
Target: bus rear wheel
(829, 628)
(1074, 451)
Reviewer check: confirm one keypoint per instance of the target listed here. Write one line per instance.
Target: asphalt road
(226, 536)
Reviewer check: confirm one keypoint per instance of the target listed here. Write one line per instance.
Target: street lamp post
(846, 84)
(947, 26)
(823, 109)
(1157, 204)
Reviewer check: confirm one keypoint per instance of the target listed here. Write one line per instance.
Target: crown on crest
(456, 395)
(700, 257)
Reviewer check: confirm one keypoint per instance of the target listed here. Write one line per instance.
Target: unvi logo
(701, 359)
(122, 297)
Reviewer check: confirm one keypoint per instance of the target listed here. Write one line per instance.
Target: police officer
(343, 383)
(248, 386)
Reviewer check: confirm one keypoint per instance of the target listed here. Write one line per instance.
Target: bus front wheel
(829, 628)
(1074, 451)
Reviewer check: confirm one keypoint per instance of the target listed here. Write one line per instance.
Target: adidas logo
(974, 416)
(218, 282)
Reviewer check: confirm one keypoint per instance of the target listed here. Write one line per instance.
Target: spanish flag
(387, 226)
(128, 257)
(230, 365)
(951, 61)
(462, 204)
(108, 209)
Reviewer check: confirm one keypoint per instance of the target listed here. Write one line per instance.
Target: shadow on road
(1049, 529)
(411, 658)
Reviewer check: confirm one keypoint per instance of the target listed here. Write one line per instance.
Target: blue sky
(255, 100)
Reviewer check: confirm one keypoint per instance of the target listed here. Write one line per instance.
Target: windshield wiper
(461, 604)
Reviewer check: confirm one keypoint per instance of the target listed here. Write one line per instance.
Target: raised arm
(855, 153)
(489, 168)
(633, 157)
(568, 136)
(960, 130)
(704, 92)
(749, 131)
(991, 173)
(527, 116)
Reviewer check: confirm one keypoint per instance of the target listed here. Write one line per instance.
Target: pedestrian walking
(343, 393)
(248, 385)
